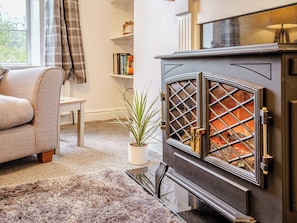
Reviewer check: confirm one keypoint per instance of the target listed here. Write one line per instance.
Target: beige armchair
(29, 113)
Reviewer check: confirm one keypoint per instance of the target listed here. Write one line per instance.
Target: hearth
(230, 122)
(182, 203)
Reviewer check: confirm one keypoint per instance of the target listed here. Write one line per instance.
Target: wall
(100, 21)
(155, 34)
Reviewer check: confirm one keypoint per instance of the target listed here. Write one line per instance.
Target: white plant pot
(137, 155)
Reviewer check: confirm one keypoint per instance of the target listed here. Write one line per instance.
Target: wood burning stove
(229, 121)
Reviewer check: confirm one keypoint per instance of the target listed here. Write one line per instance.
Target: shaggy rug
(106, 196)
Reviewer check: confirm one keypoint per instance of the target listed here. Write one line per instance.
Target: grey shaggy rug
(107, 196)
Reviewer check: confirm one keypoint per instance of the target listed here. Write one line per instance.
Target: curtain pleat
(63, 38)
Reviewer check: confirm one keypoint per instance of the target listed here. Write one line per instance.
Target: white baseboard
(92, 115)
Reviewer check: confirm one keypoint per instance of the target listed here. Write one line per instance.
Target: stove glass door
(181, 110)
(232, 125)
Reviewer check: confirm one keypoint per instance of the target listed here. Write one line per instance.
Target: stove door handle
(266, 158)
(196, 139)
(163, 123)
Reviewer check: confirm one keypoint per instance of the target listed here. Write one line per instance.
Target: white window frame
(35, 36)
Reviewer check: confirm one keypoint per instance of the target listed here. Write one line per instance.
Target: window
(20, 36)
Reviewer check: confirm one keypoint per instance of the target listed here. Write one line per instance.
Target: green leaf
(142, 119)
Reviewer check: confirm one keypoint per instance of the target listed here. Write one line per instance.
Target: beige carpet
(105, 147)
(108, 196)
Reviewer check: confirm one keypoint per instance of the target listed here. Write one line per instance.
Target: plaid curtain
(63, 39)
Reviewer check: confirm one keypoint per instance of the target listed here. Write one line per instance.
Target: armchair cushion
(14, 111)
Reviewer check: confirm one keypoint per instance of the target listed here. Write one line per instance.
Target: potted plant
(142, 120)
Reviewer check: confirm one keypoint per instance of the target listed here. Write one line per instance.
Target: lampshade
(282, 26)
(282, 32)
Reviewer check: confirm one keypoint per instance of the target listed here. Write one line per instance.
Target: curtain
(63, 38)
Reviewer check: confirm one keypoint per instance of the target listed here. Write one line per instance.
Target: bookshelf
(124, 43)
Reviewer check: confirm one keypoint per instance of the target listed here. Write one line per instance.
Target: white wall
(100, 21)
(155, 34)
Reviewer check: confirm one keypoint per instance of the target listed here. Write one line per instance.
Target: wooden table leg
(80, 125)
(73, 104)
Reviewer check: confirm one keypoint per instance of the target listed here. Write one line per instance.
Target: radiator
(184, 32)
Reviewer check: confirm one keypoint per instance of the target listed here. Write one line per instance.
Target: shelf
(123, 43)
(123, 37)
(124, 76)
(119, 3)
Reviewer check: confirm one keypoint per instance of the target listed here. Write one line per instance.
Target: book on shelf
(123, 63)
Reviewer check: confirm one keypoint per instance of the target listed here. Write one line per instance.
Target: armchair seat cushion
(14, 111)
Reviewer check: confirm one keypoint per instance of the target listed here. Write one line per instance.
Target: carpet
(107, 196)
(106, 145)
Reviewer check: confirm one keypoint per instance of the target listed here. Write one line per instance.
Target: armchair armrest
(42, 87)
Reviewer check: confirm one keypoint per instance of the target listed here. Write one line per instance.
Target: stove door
(181, 110)
(233, 129)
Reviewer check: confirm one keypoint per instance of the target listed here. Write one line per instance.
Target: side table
(68, 104)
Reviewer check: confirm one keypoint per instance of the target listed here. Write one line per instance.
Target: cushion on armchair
(14, 111)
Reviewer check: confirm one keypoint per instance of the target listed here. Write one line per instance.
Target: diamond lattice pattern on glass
(231, 125)
(182, 109)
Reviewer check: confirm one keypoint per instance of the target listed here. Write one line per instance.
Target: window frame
(34, 33)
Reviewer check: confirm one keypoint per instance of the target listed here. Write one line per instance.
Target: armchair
(29, 113)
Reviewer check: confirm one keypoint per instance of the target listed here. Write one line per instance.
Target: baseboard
(92, 115)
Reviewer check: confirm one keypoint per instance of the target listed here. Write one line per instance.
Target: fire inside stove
(231, 125)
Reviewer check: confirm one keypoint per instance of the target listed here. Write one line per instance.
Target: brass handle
(163, 123)
(196, 139)
(266, 158)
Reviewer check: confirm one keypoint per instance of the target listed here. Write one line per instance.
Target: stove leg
(159, 175)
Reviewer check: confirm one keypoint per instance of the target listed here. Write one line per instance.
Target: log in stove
(230, 129)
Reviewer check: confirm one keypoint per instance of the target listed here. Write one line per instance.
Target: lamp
(282, 32)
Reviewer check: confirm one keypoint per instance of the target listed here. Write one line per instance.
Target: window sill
(18, 67)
